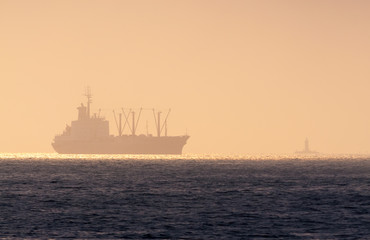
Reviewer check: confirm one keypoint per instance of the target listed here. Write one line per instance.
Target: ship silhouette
(306, 149)
(89, 134)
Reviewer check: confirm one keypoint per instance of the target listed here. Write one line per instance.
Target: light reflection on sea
(208, 157)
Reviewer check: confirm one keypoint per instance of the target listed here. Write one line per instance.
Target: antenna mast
(89, 96)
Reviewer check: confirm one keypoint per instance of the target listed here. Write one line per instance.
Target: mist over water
(240, 77)
(194, 196)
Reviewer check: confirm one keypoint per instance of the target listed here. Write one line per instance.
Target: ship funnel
(82, 112)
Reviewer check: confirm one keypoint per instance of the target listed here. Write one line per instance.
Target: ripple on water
(127, 196)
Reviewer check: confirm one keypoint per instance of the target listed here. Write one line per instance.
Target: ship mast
(89, 96)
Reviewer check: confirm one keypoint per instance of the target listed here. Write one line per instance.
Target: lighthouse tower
(306, 146)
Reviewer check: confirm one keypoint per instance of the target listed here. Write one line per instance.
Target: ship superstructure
(89, 134)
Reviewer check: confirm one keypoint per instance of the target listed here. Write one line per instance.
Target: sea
(51, 196)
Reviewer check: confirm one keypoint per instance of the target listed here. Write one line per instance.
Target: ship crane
(160, 126)
(135, 122)
(119, 123)
(126, 119)
(158, 122)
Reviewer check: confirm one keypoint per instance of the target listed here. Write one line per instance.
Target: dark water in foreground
(184, 198)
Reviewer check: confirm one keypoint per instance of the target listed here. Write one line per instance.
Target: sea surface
(184, 197)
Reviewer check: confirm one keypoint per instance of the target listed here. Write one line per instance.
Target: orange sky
(241, 76)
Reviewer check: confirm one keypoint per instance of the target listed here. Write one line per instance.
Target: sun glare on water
(201, 157)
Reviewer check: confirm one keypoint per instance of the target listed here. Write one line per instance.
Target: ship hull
(122, 145)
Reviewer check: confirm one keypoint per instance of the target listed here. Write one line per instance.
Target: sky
(240, 77)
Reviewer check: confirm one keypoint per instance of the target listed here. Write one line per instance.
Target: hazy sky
(241, 76)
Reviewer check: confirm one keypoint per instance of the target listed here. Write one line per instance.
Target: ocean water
(184, 197)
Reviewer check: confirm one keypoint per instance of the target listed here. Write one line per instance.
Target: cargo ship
(89, 134)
